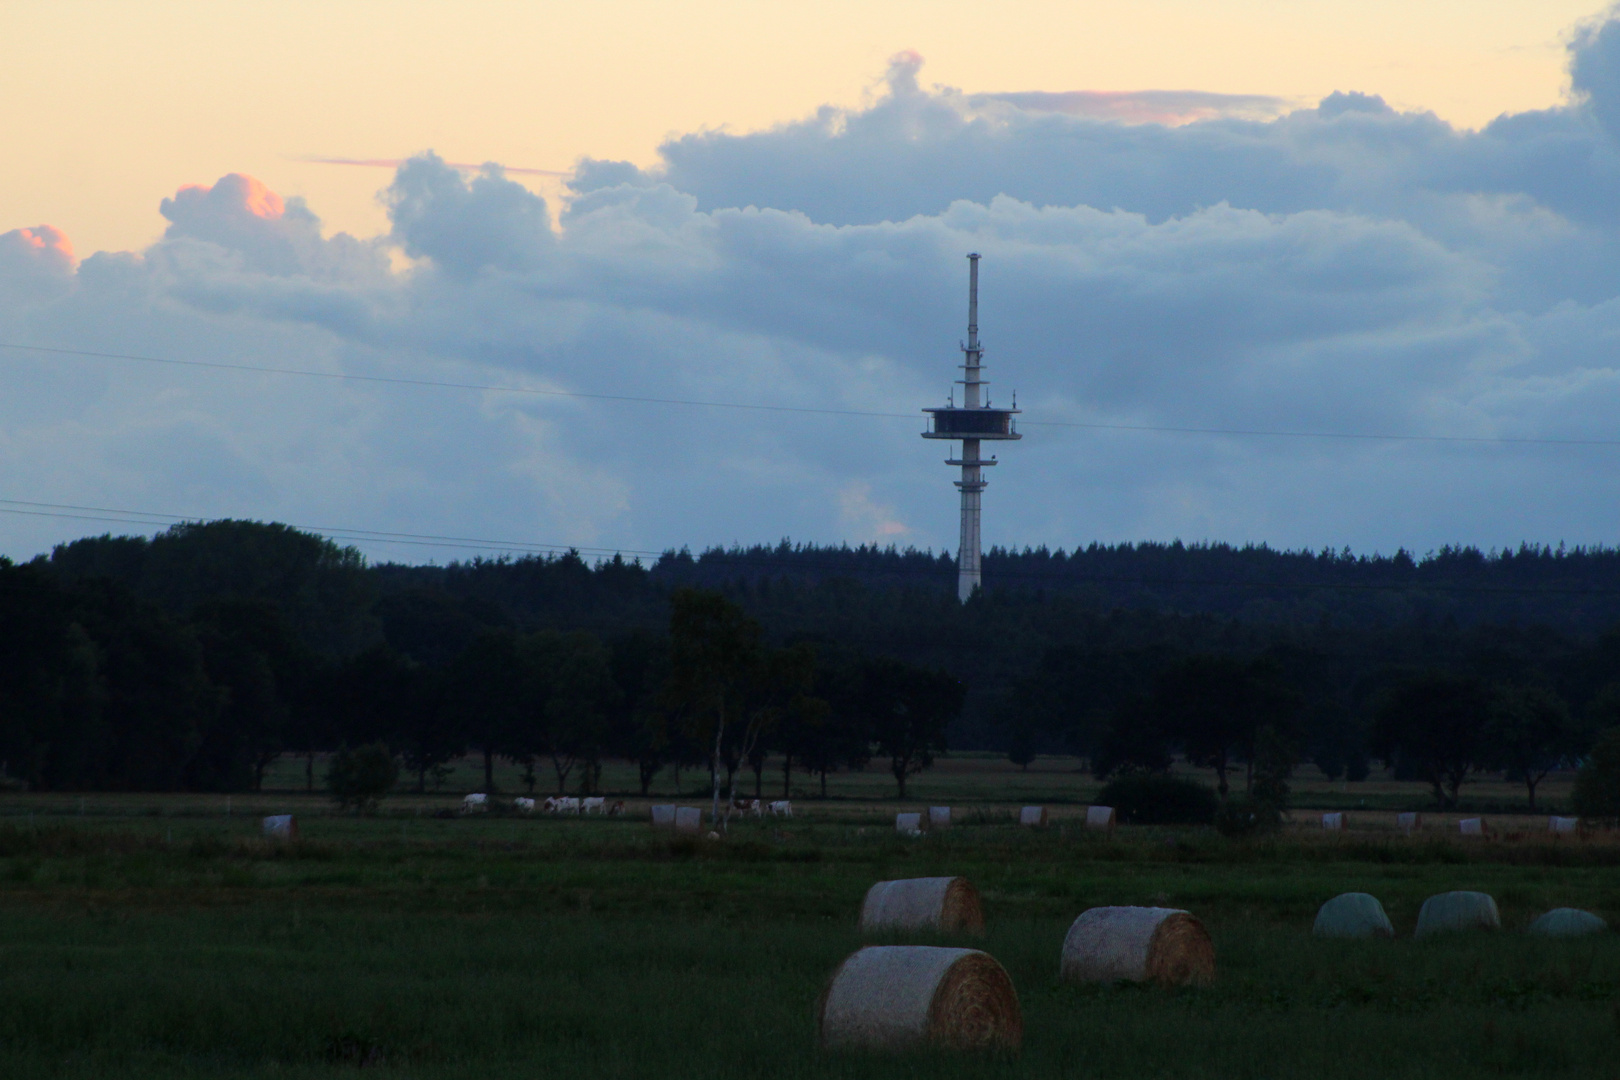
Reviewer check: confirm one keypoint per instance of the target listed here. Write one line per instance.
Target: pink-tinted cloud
(394, 163)
(43, 246)
(1172, 107)
(241, 214)
(231, 195)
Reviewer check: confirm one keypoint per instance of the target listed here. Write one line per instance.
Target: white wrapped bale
(1408, 823)
(1558, 824)
(1471, 826)
(663, 816)
(945, 904)
(1138, 944)
(1353, 915)
(1032, 815)
(908, 824)
(939, 817)
(1461, 910)
(688, 819)
(1568, 922)
(900, 997)
(1333, 822)
(1100, 817)
(281, 827)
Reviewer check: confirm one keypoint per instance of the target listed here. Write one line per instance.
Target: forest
(194, 659)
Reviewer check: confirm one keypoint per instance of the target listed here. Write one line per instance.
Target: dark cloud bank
(1345, 267)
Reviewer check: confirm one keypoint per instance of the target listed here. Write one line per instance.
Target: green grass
(173, 946)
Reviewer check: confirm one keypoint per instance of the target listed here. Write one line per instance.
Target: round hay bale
(1032, 815)
(281, 827)
(939, 817)
(1333, 822)
(1471, 826)
(688, 819)
(1408, 821)
(897, 997)
(1556, 824)
(1568, 922)
(663, 815)
(931, 903)
(1139, 944)
(1353, 915)
(1461, 910)
(1100, 817)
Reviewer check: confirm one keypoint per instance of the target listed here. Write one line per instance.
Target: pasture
(154, 936)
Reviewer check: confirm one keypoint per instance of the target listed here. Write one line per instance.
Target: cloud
(44, 246)
(1171, 107)
(240, 217)
(1345, 267)
(487, 223)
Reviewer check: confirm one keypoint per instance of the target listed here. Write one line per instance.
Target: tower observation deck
(973, 422)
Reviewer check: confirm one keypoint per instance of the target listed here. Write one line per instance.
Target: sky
(1303, 273)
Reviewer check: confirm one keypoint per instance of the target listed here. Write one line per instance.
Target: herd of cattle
(563, 804)
(595, 804)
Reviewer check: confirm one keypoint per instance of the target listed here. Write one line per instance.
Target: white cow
(525, 805)
(593, 805)
(781, 808)
(474, 802)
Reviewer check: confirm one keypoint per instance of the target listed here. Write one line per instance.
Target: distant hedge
(1159, 799)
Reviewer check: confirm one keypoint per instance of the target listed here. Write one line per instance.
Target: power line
(443, 385)
(1166, 429)
(144, 517)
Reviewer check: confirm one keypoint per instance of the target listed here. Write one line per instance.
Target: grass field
(155, 936)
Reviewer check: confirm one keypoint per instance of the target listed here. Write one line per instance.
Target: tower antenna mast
(972, 422)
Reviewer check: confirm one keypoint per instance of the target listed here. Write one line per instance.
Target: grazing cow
(781, 808)
(747, 806)
(567, 804)
(616, 808)
(525, 805)
(474, 802)
(593, 805)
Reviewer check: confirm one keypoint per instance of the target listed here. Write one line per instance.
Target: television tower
(973, 422)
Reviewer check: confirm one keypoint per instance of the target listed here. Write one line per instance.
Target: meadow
(155, 936)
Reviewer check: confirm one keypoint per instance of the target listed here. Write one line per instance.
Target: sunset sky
(1310, 216)
(107, 102)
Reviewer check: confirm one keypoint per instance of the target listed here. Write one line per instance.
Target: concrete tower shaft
(973, 422)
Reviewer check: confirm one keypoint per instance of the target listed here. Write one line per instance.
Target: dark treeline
(195, 658)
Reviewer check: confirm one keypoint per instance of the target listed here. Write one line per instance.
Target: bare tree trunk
(714, 765)
(787, 774)
(489, 770)
(309, 771)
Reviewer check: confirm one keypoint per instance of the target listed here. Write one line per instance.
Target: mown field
(153, 936)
